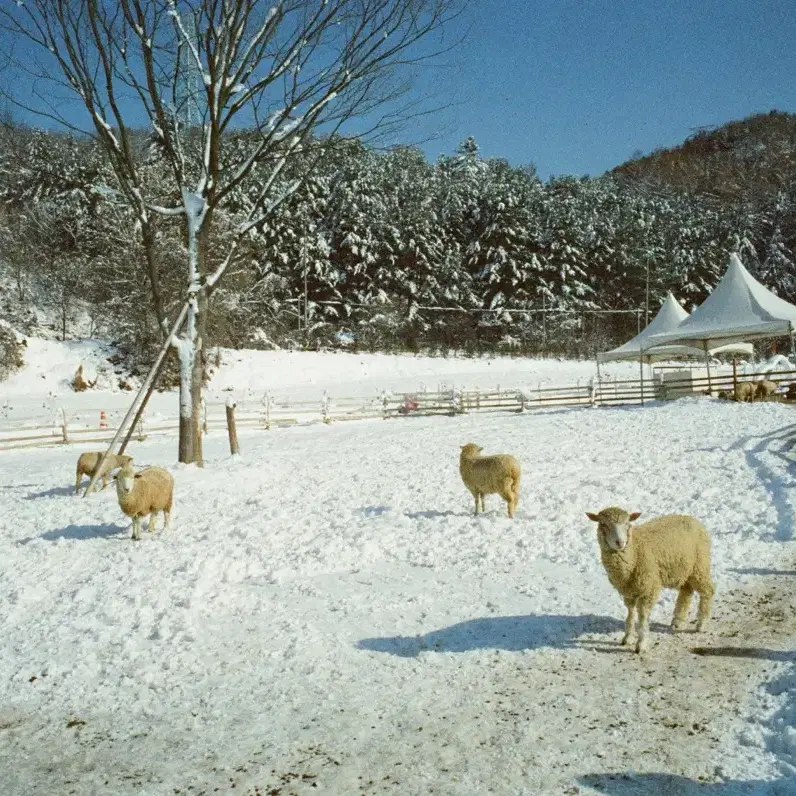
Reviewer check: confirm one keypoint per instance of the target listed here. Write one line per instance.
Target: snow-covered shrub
(12, 348)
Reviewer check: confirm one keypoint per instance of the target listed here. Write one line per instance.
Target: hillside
(752, 157)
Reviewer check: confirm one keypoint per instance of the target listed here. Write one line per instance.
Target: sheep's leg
(705, 600)
(474, 493)
(78, 478)
(166, 518)
(630, 604)
(136, 528)
(681, 607)
(645, 605)
(483, 506)
(508, 495)
(153, 522)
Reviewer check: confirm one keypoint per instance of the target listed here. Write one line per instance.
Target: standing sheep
(147, 492)
(765, 389)
(87, 464)
(485, 475)
(745, 391)
(671, 552)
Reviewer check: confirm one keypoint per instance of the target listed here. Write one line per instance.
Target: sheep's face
(613, 527)
(125, 481)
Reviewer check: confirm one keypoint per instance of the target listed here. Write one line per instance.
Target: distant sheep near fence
(745, 391)
(485, 475)
(765, 389)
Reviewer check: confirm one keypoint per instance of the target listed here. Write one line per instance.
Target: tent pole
(735, 376)
(707, 364)
(641, 375)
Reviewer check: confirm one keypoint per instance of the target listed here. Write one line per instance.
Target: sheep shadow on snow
(79, 532)
(659, 784)
(56, 491)
(511, 633)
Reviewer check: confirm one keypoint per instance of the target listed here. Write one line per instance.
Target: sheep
(671, 552)
(485, 475)
(87, 464)
(765, 389)
(745, 391)
(146, 492)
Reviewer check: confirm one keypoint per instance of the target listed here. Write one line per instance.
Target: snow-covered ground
(35, 395)
(327, 616)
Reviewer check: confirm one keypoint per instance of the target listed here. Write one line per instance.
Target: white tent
(669, 317)
(739, 308)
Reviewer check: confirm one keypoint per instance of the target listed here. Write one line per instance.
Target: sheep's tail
(515, 479)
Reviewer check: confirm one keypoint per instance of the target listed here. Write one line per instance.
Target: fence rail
(270, 413)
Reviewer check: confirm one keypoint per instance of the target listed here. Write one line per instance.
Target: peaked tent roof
(669, 317)
(739, 308)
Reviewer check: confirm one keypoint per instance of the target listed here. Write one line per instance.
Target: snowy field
(326, 615)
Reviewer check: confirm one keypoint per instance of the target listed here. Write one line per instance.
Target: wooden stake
(232, 430)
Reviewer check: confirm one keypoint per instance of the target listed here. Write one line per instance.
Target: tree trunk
(197, 378)
(186, 351)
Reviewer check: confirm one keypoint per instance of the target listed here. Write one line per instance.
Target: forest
(382, 250)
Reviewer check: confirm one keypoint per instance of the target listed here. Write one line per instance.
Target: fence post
(140, 426)
(232, 430)
(385, 403)
(64, 431)
(266, 401)
(325, 408)
(521, 398)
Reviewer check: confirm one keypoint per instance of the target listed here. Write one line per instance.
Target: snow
(41, 388)
(325, 615)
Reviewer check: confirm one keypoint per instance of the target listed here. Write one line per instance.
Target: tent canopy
(739, 308)
(669, 317)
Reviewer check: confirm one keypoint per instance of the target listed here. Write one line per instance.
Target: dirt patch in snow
(592, 718)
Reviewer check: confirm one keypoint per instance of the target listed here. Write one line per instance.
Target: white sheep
(671, 552)
(485, 475)
(765, 389)
(87, 464)
(745, 391)
(146, 492)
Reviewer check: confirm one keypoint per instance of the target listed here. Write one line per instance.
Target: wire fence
(271, 412)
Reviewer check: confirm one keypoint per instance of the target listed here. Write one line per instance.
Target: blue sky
(578, 86)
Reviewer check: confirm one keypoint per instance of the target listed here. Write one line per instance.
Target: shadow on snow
(620, 784)
(512, 633)
(78, 532)
(54, 492)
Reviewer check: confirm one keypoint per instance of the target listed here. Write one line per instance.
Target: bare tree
(291, 73)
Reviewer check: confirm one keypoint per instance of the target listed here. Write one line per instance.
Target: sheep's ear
(634, 516)
(137, 475)
(592, 516)
(480, 449)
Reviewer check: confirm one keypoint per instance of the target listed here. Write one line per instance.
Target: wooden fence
(270, 412)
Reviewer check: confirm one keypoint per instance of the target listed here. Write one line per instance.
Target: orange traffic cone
(103, 419)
